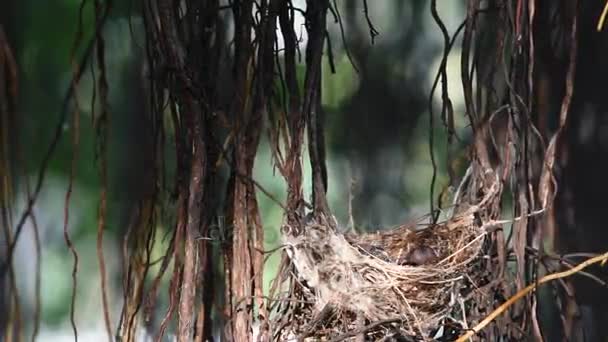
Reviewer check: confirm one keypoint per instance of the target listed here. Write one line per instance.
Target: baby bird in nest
(420, 255)
(403, 246)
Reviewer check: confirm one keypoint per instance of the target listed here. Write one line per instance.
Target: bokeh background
(378, 129)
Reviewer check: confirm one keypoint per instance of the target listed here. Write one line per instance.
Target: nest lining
(405, 277)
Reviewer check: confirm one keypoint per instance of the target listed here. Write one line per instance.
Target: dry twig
(503, 307)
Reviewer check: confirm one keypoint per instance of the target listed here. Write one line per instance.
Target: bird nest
(406, 282)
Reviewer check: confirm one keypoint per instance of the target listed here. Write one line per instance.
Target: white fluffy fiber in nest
(350, 280)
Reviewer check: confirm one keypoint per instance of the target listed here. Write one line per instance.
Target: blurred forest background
(377, 139)
(376, 105)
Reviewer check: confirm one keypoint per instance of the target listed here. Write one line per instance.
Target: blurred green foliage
(377, 134)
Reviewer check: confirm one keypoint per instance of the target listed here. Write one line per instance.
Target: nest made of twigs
(404, 281)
